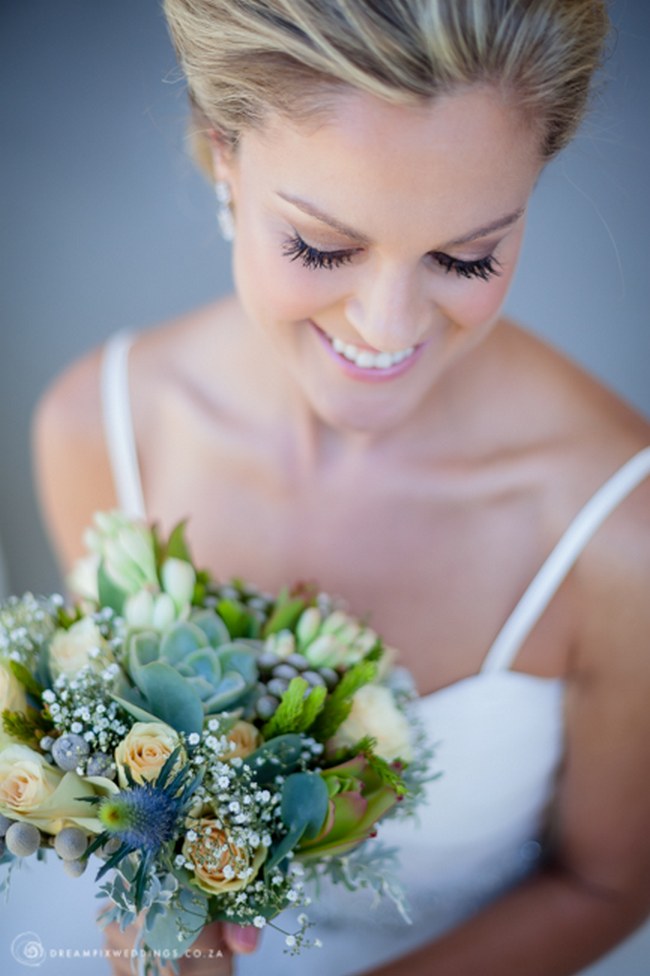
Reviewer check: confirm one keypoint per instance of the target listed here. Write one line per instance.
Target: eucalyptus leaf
(303, 808)
(189, 913)
(278, 755)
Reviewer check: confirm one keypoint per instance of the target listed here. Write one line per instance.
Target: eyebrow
(308, 208)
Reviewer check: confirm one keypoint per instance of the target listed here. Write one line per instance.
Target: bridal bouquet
(215, 747)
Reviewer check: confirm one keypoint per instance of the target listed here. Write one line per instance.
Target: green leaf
(312, 706)
(303, 808)
(110, 594)
(26, 727)
(284, 617)
(177, 547)
(170, 697)
(236, 617)
(338, 704)
(27, 680)
(289, 712)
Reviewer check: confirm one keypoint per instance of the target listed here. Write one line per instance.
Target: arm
(596, 888)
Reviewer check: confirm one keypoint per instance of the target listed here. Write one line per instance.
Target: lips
(363, 362)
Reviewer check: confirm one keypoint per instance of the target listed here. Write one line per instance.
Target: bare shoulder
(72, 467)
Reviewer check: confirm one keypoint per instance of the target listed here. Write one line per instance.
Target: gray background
(105, 224)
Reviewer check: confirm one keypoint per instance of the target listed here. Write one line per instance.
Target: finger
(241, 938)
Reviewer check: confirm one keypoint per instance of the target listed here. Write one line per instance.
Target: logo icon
(27, 949)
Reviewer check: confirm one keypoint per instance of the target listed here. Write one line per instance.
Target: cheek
(272, 287)
(476, 303)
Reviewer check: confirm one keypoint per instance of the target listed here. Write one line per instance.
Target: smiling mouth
(365, 358)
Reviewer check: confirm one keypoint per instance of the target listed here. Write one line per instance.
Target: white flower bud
(308, 625)
(138, 609)
(164, 611)
(178, 578)
(325, 650)
(335, 622)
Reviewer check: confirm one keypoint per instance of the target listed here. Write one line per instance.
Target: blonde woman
(362, 413)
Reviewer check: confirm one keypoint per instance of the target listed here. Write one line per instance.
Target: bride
(362, 413)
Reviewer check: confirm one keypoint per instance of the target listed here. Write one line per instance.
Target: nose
(388, 309)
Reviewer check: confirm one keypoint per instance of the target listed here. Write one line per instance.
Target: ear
(222, 156)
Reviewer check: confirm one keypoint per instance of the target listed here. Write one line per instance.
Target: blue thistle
(144, 817)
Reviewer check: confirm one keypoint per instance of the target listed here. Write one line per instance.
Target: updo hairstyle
(244, 58)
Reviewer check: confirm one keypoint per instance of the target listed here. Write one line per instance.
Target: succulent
(358, 796)
(326, 641)
(191, 670)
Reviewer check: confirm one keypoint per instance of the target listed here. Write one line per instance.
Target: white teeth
(370, 360)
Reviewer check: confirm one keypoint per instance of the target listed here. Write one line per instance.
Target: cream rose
(218, 864)
(12, 693)
(375, 713)
(26, 780)
(145, 750)
(35, 792)
(243, 739)
(72, 649)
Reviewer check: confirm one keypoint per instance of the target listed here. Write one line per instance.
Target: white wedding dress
(498, 739)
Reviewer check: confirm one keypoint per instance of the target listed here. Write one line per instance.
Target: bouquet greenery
(216, 747)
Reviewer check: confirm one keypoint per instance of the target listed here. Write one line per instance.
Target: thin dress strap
(118, 425)
(561, 560)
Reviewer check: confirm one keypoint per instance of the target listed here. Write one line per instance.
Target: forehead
(453, 160)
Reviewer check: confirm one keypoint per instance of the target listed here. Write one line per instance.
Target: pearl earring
(224, 210)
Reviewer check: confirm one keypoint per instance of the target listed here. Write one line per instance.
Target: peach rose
(145, 750)
(243, 739)
(219, 865)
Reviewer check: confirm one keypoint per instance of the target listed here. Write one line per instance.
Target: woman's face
(377, 247)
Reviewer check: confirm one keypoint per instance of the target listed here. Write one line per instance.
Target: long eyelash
(484, 268)
(297, 250)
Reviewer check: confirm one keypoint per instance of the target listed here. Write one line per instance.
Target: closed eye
(296, 249)
(483, 268)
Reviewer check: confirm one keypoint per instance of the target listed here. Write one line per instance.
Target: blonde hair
(244, 58)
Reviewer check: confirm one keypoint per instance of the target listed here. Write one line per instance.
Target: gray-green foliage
(191, 670)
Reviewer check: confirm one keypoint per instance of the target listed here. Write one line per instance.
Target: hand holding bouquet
(216, 747)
